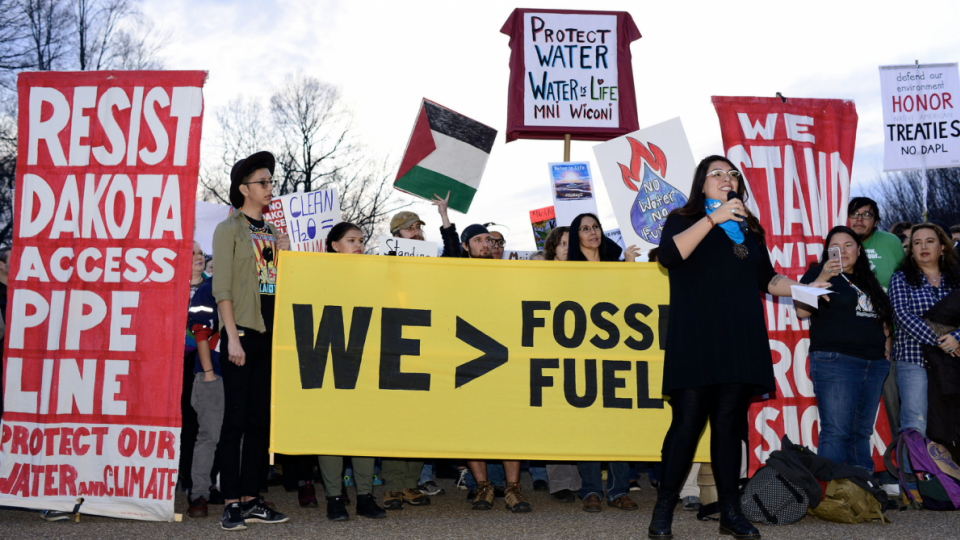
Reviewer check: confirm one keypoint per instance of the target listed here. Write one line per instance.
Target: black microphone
(731, 195)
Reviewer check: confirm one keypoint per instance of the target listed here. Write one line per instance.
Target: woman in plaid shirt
(928, 273)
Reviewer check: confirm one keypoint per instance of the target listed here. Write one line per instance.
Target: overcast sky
(387, 55)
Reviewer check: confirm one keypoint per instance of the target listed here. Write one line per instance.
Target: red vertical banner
(98, 291)
(796, 157)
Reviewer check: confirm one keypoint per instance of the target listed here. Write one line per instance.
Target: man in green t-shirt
(883, 249)
(885, 253)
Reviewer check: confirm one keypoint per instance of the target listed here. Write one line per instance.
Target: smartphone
(834, 253)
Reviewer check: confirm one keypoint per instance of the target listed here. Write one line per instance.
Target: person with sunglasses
(713, 374)
(245, 247)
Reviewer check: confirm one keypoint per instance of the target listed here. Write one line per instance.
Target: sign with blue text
(310, 216)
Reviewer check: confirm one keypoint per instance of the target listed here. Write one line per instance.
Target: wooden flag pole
(566, 147)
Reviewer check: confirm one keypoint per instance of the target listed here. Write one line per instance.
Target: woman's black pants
(726, 407)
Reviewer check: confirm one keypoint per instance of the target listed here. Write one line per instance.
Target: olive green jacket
(235, 274)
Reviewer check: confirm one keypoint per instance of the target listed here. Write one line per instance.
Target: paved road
(450, 517)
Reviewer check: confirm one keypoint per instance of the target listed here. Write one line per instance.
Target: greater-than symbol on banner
(494, 353)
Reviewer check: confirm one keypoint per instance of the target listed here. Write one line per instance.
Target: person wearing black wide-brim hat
(245, 245)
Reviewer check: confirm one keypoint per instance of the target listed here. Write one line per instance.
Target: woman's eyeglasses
(588, 228)
(717, 174)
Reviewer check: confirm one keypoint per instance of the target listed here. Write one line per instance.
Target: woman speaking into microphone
(717, 351)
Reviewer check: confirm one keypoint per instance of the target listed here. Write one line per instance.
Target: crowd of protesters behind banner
(870, 340)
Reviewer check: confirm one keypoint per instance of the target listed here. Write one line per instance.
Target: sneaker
(484, 498)
(367, 507)
(499, 492)
(413, 497)
(336, 510)
(540, 485)
(256, 511)
(215, 497)
(564, 496)
(232, 519)
(377, 481)
(53, 515)
(198, 508)
(431, 488)
(691, 503)
(634, 485)
(307, 495)
(393, 500)
(462, 480)
(347, 481)
(515, 500)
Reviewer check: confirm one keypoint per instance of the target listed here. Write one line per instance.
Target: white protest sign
(571, 185)
(310, 216)
(921, 127)
(571, 62)
(514, 255)
(641, 186)
(405, 247)
(208, 216)
(615, 235)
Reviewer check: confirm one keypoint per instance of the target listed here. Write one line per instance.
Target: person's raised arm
(441, 205)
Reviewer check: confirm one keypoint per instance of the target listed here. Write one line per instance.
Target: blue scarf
(732, 228)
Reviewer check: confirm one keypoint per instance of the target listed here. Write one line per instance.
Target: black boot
(660, 524)
(733, 522)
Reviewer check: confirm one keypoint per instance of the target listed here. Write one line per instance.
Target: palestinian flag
(447, 152)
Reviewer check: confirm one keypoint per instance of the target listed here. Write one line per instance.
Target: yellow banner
(459, 358)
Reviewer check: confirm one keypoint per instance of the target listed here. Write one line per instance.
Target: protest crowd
(865, 318)
(894, 308)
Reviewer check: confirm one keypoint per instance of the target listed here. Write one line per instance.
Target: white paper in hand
(807, 295)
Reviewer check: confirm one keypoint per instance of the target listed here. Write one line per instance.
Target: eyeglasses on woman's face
(718, 174)
(587, 228)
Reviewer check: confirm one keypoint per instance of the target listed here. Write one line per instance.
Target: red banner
(796, 157)
(107, 167)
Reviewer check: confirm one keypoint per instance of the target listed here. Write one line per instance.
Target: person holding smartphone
(849, 347)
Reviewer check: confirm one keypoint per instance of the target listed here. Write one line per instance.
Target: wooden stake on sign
(566, 147)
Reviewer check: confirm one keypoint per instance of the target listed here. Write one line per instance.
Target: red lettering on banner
(127, 442)
(65, 438)
(68, 478)
(99, 432)
(152, 485)
(22, 485)
(49, 489)
(20, 435)
(167, 441)
(146, 449)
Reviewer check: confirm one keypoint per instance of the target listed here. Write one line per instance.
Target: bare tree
(313, 126)
(139, 48)
(367, 196)
(308, 129)
(899, 196)
(243, 130)
(46, 24)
